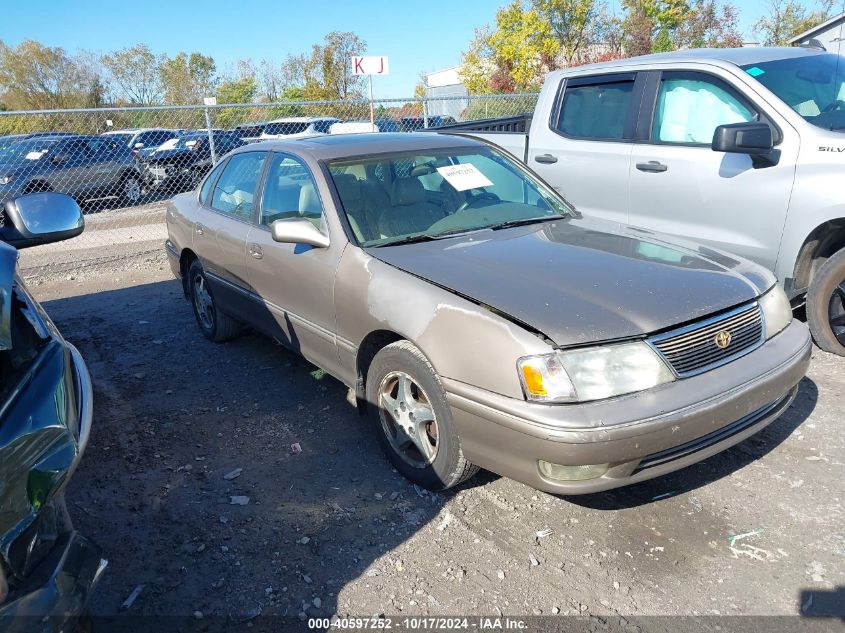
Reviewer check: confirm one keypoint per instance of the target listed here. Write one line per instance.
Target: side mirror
(60, 159)
(41, 218)
(754, 139)
(298, 231)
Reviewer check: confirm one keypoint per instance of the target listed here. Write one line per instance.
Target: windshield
(123, 137)
(811, 85)
(25, 150)
(406, 197)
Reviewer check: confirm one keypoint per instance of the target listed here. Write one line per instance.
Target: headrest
(348, 187)
(309, 201)
(406, 191)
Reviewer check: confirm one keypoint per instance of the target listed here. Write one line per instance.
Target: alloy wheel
(836, 312)
(131, 190)
(407, 419)
(203, 302)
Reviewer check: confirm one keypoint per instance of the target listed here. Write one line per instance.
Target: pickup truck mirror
(60, 159)
(754, 139)
(41, 218)
(298, 231)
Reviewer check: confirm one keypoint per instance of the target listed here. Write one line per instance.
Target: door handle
(652, 166)
(198, 228)
(256, 251)
(546, 159)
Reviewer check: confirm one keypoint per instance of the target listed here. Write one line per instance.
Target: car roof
(138, 130)
(329, 146)
(303, 119)
(738, 56)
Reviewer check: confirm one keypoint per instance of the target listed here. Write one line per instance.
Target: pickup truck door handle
(652, 166)
(256, 251)
(198, 228)
(546, 159)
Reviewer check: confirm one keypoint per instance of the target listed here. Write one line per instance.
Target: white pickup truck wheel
(826, 305)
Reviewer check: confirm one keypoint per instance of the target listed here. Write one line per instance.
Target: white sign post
(370, 66)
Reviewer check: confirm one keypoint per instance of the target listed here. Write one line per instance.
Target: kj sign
(369, 65)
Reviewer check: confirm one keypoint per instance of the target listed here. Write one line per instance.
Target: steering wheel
(477, 197)
(834, 106)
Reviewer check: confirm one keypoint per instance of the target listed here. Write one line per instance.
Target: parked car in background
(480, 319)
(353, 127)
(250, 132)
(294, 126)
(84, 167)
(47, 570)
(181, 163)
(741, 149)
(140, 138)
(415, 123)
(14, 138)
(386, 124)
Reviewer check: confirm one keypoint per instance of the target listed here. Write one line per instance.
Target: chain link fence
(122, 164)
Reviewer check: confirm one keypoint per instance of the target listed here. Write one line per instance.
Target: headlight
(777, 312)
(592, 373)
(5, 180)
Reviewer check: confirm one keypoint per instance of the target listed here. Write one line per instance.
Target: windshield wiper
(523, 222)
(428, 237)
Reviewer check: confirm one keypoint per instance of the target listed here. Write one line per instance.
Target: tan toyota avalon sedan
(481, 321)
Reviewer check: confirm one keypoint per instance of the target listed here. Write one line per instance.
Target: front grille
(698, 444)
(694, 349)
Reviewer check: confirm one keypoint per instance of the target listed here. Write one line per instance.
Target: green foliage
(327, 72)
(134, 72)
(187, 79)
(787, 18)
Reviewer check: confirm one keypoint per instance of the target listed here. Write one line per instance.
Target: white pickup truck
(741, 149)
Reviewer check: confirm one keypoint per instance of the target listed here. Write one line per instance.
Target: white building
(446, 82)
(829, 34)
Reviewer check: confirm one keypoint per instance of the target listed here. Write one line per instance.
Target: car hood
(580, 280)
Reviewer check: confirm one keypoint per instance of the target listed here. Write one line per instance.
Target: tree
(328, 70)
(787, 18)
(34, 76)
(574, 24)
(187, 79)
(650, 25)
(512, 57)
(135, 75)
(710, 25)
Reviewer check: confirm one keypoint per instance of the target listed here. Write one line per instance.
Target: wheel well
(370, 346)
(823, 241)
(185, 260)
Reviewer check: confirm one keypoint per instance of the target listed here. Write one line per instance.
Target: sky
(415, 36)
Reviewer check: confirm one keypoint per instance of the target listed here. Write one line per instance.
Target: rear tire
(826, 305)
(215, 325)
(424, 447)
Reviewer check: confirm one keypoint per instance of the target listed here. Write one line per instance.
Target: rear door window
(595, 108)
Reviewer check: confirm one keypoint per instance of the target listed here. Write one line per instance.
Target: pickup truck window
(595, 111)
(690, 106)
(813, 86)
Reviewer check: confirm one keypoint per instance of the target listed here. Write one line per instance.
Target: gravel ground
(194, 485)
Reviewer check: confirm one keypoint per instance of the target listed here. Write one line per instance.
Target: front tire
(215, 325)
(413, 420)
(131, 190)
(826, 305)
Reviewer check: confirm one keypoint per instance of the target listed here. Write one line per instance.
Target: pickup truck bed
(510, 133)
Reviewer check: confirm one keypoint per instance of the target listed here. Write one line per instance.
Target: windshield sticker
(35, 155)
(463, 177)
(755, 72)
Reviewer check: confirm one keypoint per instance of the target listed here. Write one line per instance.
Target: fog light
(572, 473)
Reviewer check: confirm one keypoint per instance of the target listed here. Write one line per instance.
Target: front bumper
(642, 435)
(55, 594)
